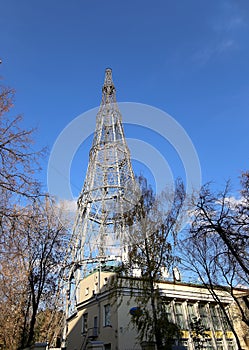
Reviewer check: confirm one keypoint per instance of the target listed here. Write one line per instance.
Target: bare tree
(203, 257)
(227, 217)
(19, 163)
(153, 225)
(18, 159)
(216, 248)
(32, 234)
(37, 247)
(12, 292)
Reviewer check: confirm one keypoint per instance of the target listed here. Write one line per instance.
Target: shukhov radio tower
(108, 193)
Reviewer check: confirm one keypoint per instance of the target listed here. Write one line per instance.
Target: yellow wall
(121, 333)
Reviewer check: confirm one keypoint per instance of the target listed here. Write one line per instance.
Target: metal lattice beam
(109, 191)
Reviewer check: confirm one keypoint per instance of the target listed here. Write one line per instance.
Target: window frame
(85, 323)
(204, 316)
(169, 311)
(179, 316)
(214, 313)
(107, 315)
(191, 315)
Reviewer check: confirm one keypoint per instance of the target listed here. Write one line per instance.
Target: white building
(103, 320)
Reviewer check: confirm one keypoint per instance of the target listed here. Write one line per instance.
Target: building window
(215, 317)
(107, 315)
(180, 321)
(230, 344)
(87, 291)
(184, 344)
(84, 323)
(191, 313)
(209, 344)
(220, 345)
(168, 310)
(204, 315)
(224, 321)
(95, 326)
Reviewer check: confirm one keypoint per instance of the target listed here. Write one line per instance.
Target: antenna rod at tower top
(108, 87)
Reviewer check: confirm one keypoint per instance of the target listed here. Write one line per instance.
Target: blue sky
(188, 58)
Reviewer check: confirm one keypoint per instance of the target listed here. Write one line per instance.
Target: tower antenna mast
(108, 193)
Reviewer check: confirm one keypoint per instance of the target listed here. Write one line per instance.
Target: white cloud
(66, 211)
(211, 51)
(229, 24)
(234, 202)
(226, 45)
(68, 205)
(224, 30)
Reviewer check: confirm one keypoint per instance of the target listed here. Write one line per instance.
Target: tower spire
(108, 192)
(108, 88)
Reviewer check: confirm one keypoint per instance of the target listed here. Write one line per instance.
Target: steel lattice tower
(109, 192)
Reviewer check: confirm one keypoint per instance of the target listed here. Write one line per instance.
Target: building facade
(103, 318)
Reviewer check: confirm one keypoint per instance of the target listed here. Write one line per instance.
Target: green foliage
(144, 321)
(199, 333)
(152, 225)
